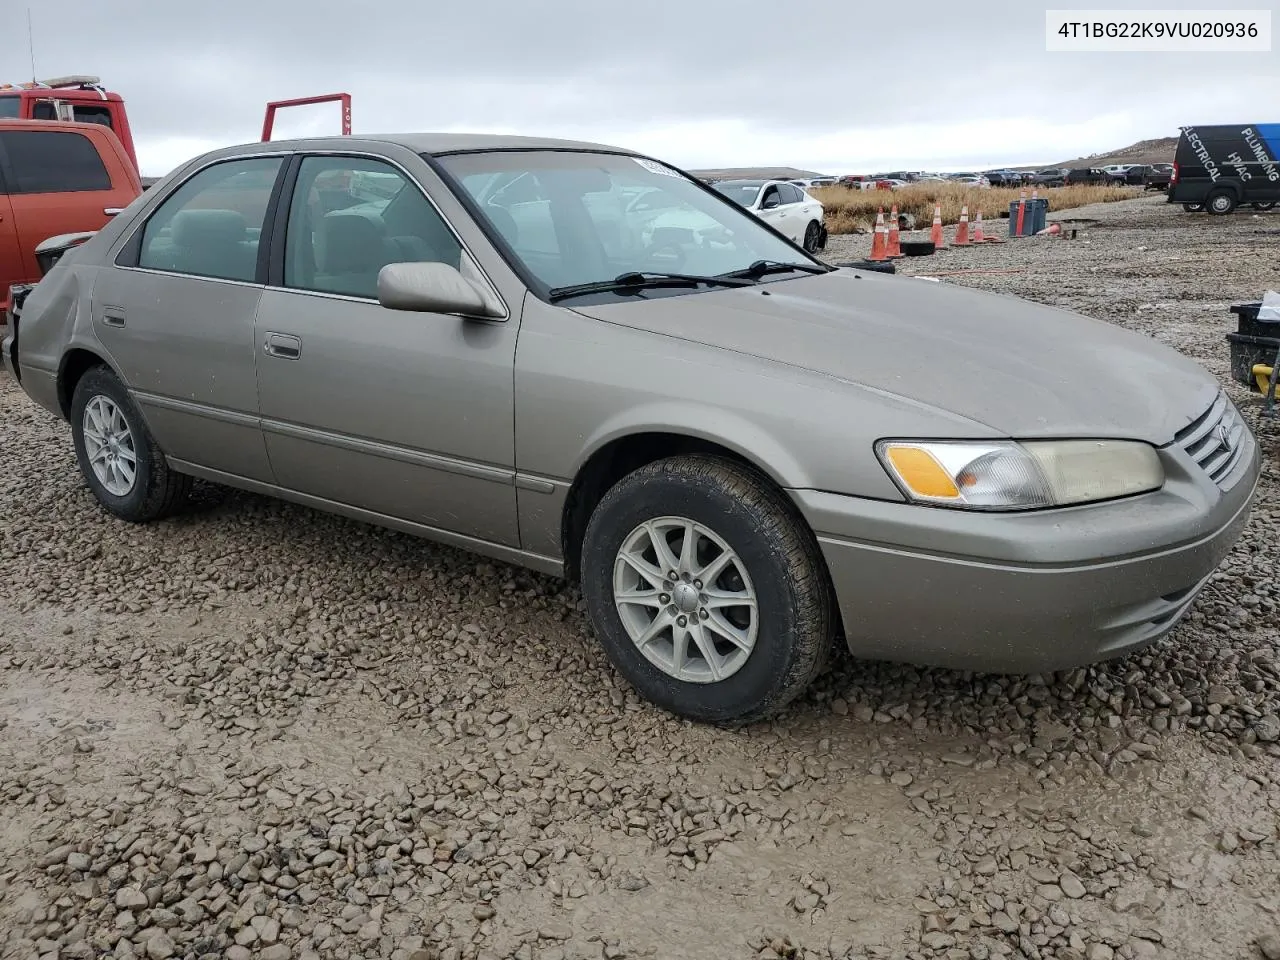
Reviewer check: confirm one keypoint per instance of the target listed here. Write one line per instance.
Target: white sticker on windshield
(654, 167)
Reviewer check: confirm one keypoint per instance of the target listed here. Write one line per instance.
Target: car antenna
(31, 45)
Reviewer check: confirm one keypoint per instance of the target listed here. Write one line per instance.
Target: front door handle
(283, 345)
(113, 316)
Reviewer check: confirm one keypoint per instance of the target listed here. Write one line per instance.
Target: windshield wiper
(761, 267)
(635, 280)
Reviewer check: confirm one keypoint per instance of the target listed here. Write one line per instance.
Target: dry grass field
(853, 211)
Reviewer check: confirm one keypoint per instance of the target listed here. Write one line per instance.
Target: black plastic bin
(1255, 341)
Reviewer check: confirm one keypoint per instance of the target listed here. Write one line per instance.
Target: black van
(1220, 167)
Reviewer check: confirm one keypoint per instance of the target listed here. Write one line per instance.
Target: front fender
(746, 438)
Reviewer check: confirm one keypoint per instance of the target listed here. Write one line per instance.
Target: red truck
(80, 99)
(56, 177)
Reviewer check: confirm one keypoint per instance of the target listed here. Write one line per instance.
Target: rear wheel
(706, 590)
(1220, 202)
(120, 462)
(1264, 206)
(813, 237)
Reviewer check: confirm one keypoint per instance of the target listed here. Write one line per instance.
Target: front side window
(10, 107)
(211, 226)
(350, 217)
(791, 193)
(45, 161)
(597, 216)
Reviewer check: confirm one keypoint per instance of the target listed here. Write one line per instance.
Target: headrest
(193, 227)
(352, 243)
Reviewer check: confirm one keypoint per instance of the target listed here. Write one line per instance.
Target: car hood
(1019, 368)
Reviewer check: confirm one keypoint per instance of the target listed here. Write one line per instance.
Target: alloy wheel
(685, 599)
(108, 441)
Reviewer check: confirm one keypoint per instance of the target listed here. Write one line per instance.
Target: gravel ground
(258, 731)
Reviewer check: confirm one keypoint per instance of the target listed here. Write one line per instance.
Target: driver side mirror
(428, 287)
(771, 202)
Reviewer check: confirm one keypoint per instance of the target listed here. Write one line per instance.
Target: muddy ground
(258, 731)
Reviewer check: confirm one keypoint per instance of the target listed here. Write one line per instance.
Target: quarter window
(350, 217)
(45, 161)
(211, 226)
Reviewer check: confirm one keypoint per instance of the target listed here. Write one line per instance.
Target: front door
(406, 415)
(177, 317)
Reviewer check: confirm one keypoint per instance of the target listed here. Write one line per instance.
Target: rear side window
(92, 113)
(44, 161)
(11, 107)
(211, 226)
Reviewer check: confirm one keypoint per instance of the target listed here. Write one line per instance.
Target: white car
(809, 184)
(783, 205)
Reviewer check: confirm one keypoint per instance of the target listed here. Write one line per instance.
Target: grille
(1215, 440)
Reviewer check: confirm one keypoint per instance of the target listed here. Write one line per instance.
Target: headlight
(1003, 475)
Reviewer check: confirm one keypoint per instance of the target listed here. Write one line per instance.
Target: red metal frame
(343, 98)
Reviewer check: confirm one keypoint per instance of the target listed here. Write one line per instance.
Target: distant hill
(1159, 150)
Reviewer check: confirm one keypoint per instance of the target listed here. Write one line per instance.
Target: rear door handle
(283, 345)
(113, 316)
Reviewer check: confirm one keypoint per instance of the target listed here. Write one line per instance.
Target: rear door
(794, 217)
(58, 183)
(176, 314)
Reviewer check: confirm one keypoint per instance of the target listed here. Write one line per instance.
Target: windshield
(741, 192)
(574, 218)
(10, 106)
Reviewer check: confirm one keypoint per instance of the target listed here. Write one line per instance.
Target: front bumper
(1029, 593)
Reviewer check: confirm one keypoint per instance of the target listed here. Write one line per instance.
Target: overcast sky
(930, 84)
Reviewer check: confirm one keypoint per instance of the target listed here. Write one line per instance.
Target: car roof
(428, 143)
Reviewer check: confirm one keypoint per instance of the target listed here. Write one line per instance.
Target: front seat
(356, 248)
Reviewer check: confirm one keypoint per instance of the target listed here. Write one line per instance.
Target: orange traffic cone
(1022, 210)
(880, 243)
(962, 230)
(894, 248)
(936, 235)
(978, 236)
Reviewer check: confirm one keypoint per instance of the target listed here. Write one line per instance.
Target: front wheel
(120, 462)
(706, 590)
(1264, 205)
(813, 237)
(1193, 207)
(1220, 202)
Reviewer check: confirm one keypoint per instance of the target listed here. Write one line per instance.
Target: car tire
(135, 483)
(1193, 207)
(1267, 205)
(1220, 202)
(785, 634)
(813, 237)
